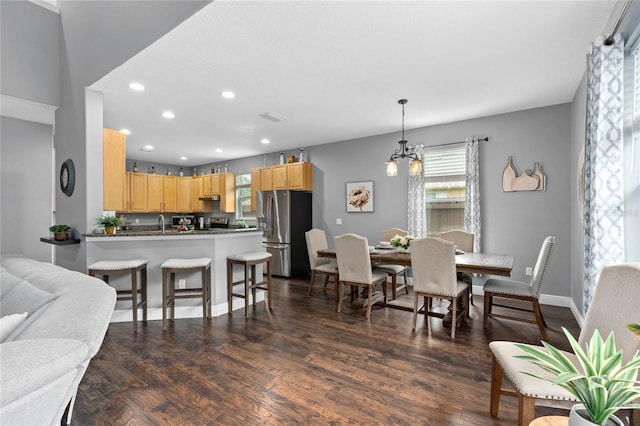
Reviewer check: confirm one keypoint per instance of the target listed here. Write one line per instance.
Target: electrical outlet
(137, 220)
(338, 221)
(528, 271)
(183, 283)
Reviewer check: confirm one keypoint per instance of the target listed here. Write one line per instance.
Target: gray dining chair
(354, 264)
(394, 270)
(512, 289)
(317, 240)
(615, 304)
(433, 264)
(463, 241)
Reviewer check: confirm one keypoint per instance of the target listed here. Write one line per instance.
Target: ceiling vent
(271, 117)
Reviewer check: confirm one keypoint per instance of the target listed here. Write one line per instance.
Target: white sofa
(44, 357)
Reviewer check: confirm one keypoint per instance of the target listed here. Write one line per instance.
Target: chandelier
(405, 151)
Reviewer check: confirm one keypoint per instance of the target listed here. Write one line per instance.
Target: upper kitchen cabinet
(138, 192)
(211, 184)
(227, 192)
(198, 191)
(255, 187)
(170, 193)
(279, 176)
(299, 176)
(155, 193)
(294, 176)
(266, 179)
(113, 170)
(185, 194)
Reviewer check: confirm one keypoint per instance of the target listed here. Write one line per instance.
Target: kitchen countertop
(173, 232)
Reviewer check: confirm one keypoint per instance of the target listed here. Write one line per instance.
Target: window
(243, 197)
(445, 171)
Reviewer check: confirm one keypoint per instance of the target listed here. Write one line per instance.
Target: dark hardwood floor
(303, 363)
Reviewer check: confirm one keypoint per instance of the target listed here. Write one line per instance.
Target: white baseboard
(153, 314)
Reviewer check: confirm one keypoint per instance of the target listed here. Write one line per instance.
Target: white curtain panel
(417, 211)
(603, 172)
(472, 217)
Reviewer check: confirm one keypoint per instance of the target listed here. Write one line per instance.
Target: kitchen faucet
(161, 223)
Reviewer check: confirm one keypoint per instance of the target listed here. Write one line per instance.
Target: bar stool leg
(246, 289)
(144, 293)
(269, 283)
(230, 286)
(164, 299)
(203, 288)
(253, 284)
(134, 298)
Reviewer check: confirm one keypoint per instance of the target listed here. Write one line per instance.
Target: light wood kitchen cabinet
(227, 192)
(197, 187)
(169, 194)
(255, 187)
(155, 193)
(266, 179)
(300, 176)
(185, 193)
(114, 187)
(280, 179)
(138, 192)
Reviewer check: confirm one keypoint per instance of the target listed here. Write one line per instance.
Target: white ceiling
(335, 70)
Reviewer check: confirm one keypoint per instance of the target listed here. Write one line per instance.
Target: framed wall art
(360, 197)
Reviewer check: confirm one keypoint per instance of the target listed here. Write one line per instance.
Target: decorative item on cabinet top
(530, 180)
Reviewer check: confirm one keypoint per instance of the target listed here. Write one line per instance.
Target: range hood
(210, 198)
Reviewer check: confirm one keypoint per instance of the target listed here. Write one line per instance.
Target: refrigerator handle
(269, 217)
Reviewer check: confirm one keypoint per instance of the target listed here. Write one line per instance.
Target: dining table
(478, 263)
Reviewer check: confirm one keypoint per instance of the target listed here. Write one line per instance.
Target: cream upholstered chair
(433, 264)
(354, 263)
(510, 289)
(317, 240)
(394, 270)
(615, 303)
(463, 241)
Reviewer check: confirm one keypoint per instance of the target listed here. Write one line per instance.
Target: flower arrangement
(183, 224)
(604, 385)
(402, 244)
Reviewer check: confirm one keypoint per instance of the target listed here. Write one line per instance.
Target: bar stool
(170, 293)
(249, 261)
(105, 268)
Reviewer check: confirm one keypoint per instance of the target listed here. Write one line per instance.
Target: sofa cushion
(8, 323)
(7, 282)
(24, 297)
(28, 365)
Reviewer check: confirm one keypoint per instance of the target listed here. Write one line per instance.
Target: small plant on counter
(60, 232)
(110, 223)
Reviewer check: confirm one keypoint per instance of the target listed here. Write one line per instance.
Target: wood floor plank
(303, 363)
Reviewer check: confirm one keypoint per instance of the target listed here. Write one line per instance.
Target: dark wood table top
(480, 263)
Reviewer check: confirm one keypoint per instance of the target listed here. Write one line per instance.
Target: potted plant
(60, 232)
(110, 223)
(605, 384)
(402, 244)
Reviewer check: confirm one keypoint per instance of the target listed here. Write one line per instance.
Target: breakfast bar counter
(156, 247)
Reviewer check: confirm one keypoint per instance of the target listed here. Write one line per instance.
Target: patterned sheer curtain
(603, 172)
(417, 212)
(472, 218)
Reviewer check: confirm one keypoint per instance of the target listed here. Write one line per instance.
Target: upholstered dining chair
(463, 241)
(511, 289)
(433, 264)
(354, 263)
(614, 305)
(317, 240)
(394, 270)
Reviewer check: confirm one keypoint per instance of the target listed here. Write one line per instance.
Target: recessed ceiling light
(147, 148)
(218, 150)
(137, 87)
(228, 94)
(183, 158)
(125, 131)
(168, 114)
(264, 141)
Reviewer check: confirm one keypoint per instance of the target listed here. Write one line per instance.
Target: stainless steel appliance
(285, 216)
(175, 220)
(218, 222)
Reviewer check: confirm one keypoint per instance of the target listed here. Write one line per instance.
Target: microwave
(175, 220)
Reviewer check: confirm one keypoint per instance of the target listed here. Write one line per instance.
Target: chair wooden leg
(454, 316)
(313, 278)
(340, 295)
(394, 282)
(539, 320)
(406, 284)
(487, 308)
(496, 386)
(326, 280)
(369, 299)
(526, 409)
(415, 310)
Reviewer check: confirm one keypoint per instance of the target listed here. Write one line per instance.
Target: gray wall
(30, 46)
(26, 158)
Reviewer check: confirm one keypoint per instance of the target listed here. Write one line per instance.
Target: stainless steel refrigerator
(285, 216)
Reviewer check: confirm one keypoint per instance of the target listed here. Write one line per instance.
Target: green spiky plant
(604, 386)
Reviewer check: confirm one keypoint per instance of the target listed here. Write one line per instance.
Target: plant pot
(578, 417)
(110, 230)
(61, 236)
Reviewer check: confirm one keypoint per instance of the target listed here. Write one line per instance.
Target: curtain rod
(608, 41)
(485, 139)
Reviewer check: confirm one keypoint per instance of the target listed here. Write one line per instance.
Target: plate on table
(458, 251)
(385, 248)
